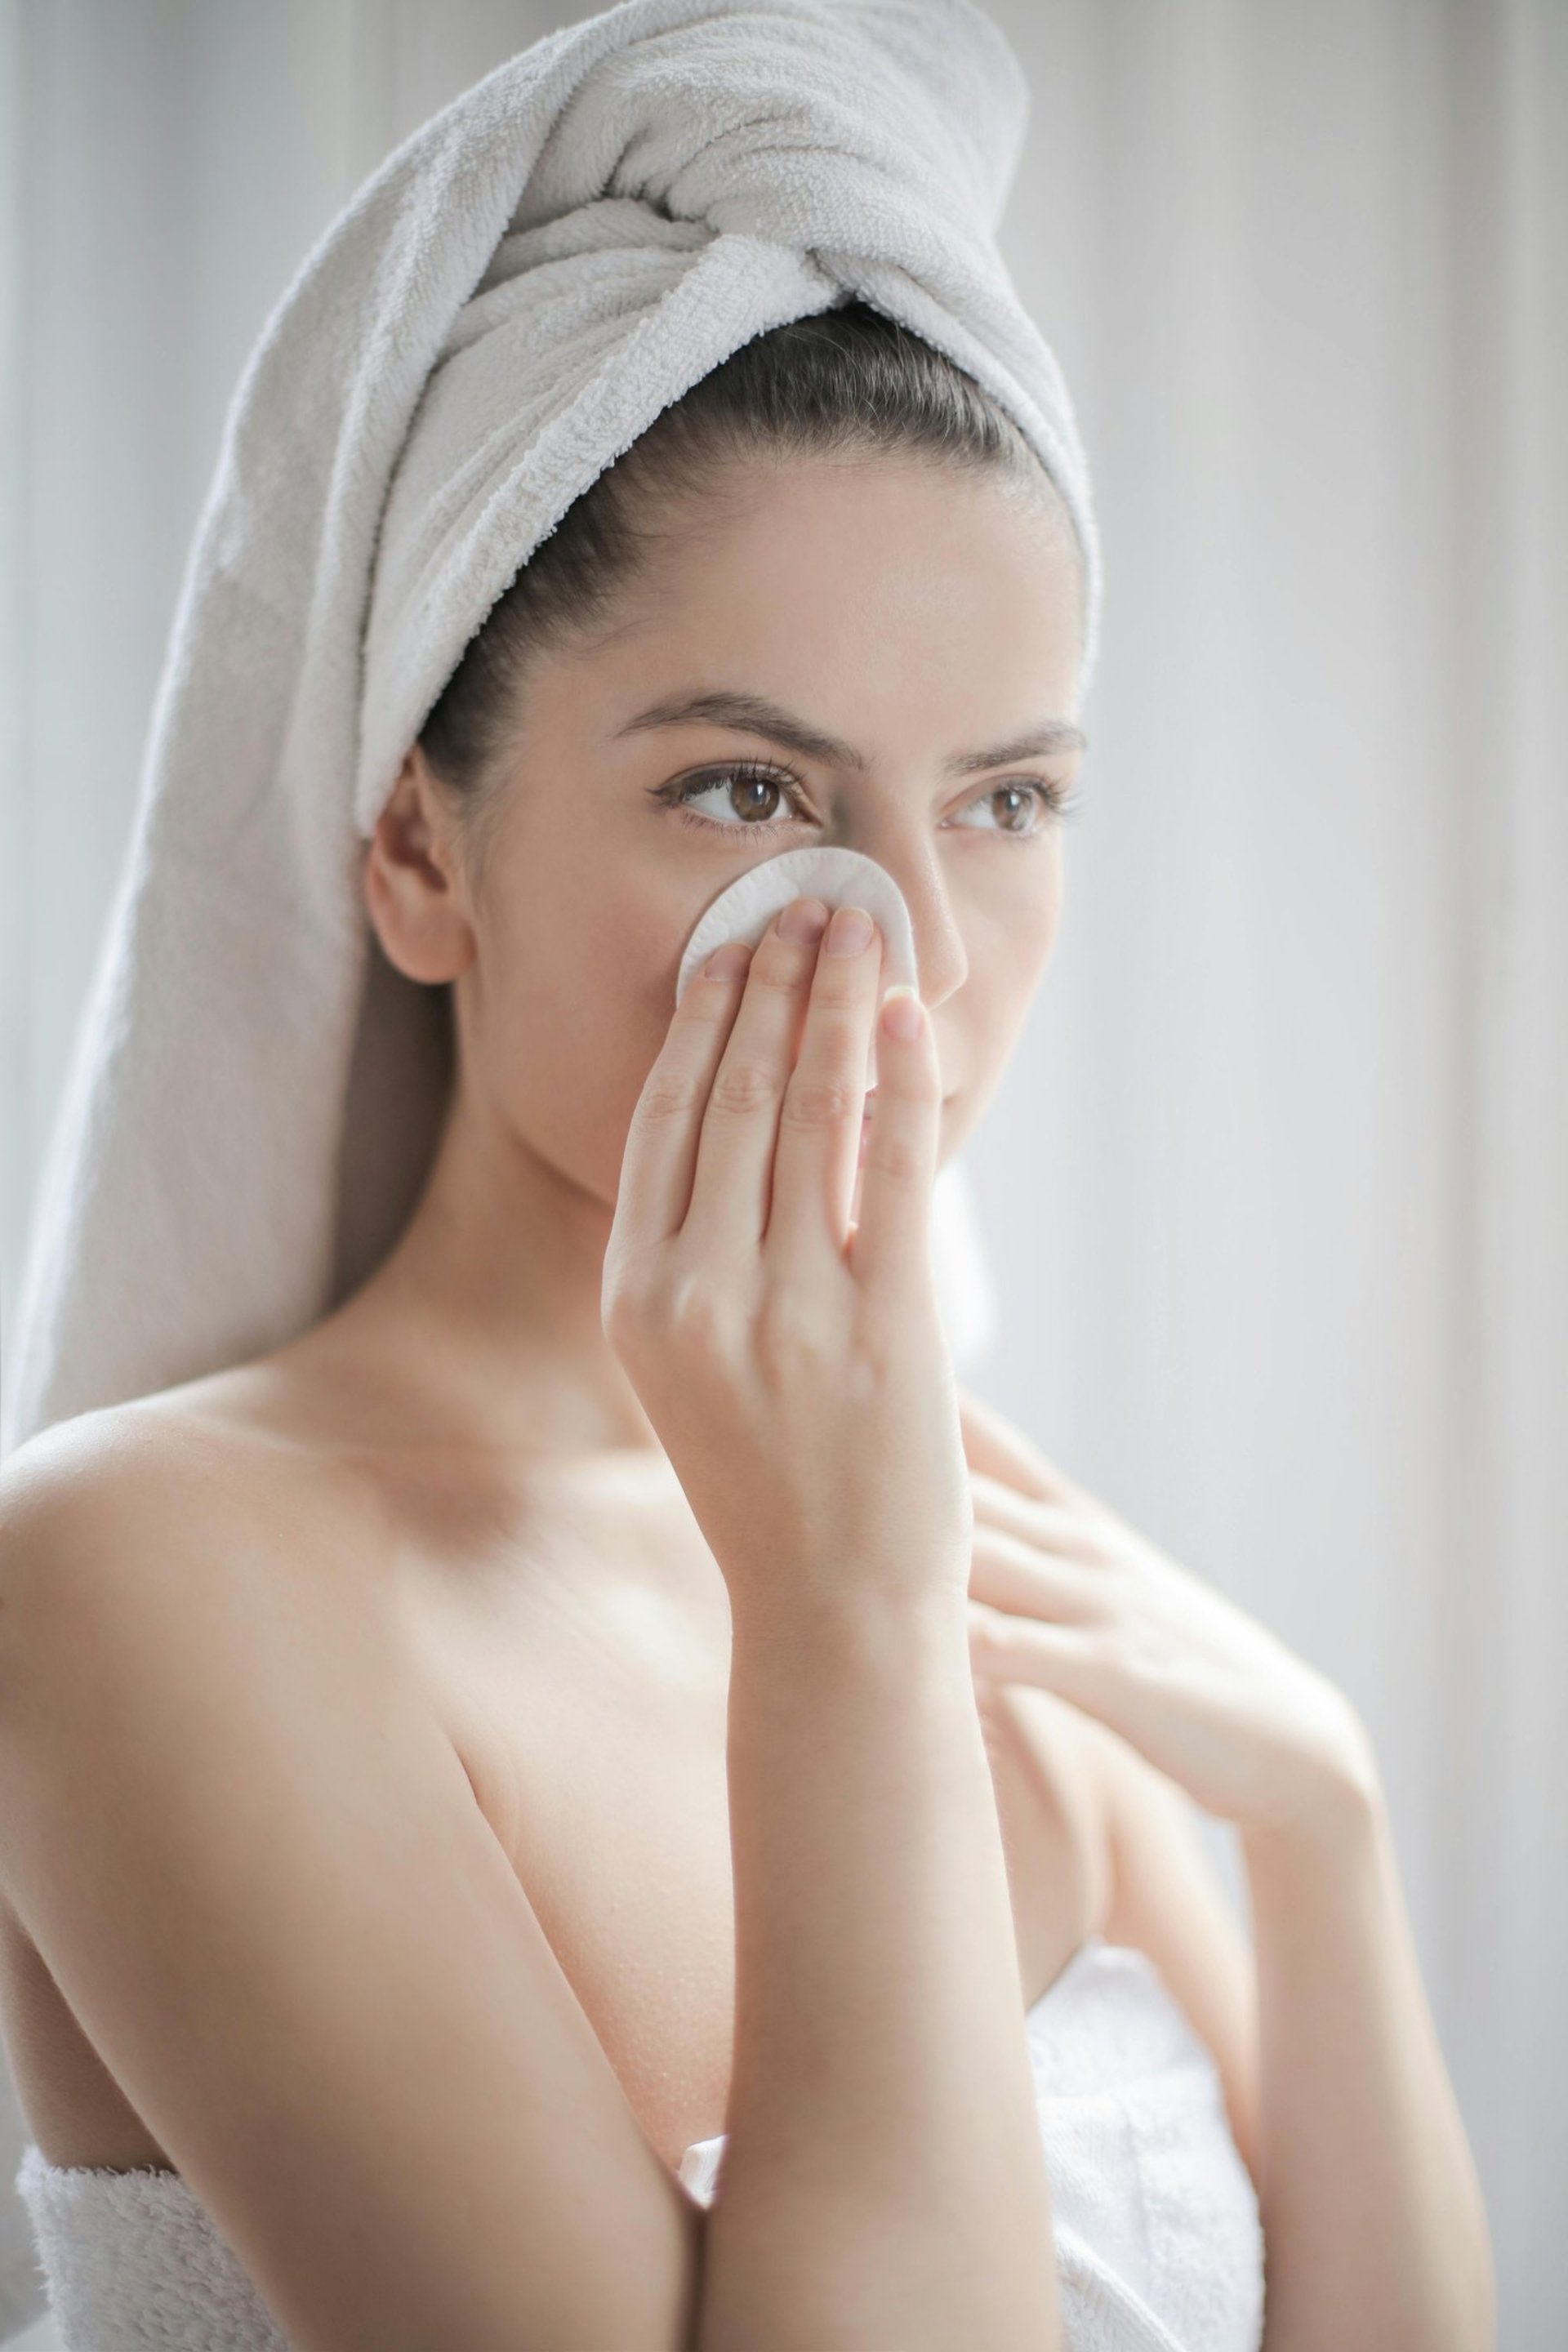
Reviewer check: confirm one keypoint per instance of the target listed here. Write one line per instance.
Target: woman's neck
(491, 1299)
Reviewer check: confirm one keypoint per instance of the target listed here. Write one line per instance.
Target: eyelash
(1056, 800)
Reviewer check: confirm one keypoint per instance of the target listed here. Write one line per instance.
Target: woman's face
(868, 640)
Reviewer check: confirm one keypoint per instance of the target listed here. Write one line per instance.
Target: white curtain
(1276, 1199)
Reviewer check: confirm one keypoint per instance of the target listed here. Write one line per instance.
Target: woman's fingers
(991, 1443)
(735, 1135)
(1060, 1528)
(1066, 1659)
(732, 1181)
(820, 1116)
(660, 1153)
(1007, 1574)
(892, 1245)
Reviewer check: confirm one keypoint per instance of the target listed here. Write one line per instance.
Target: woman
(602, 1685)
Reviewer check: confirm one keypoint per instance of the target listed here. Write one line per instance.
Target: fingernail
(729, 962)
(901, 1013)
(849, 932)
(802, 921)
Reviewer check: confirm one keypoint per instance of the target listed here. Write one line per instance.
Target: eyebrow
(754, 714)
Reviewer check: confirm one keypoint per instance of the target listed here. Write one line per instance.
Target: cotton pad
(839, 878)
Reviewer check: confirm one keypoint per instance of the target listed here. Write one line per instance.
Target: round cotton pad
(839, 878)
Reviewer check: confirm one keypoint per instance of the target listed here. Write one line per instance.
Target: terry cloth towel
(499, 312)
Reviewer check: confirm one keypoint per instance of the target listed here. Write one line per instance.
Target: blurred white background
(1275, 1200)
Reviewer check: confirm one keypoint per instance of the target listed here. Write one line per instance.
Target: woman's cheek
(576, 1073)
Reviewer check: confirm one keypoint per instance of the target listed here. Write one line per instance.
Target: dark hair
(843, 382)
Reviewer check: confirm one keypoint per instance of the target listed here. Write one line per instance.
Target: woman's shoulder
(224, 1530)
(145, 1495)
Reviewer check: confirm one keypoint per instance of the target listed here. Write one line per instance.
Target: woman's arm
(884, 2183)
(1375, 2231)
(1340, 2107)
(255, 1867)
(1372, 2211)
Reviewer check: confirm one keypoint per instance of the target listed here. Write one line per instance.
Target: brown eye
(751, 796)
(1026, 807)
(754, 796)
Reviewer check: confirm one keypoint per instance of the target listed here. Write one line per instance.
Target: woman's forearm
(1373, 2216)
(884, 2179)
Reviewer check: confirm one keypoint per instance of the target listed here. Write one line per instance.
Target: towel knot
(920, 108)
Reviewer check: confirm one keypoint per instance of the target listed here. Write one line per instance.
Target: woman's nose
(939, 953)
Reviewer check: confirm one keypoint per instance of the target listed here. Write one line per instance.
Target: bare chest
(589, 1705)
(581, 1667)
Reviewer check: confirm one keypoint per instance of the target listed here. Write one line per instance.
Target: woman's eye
(747, 797)
(1034, 800)
(751, 796)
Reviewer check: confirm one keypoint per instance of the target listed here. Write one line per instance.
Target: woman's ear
(414, 884)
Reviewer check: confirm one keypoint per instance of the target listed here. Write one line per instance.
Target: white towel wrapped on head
(496, 316)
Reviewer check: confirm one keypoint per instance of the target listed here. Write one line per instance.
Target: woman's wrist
(860, 1627)
(1338, 1811)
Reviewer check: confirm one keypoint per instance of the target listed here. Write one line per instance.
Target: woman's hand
(795, 1367)
(1065, 1595)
